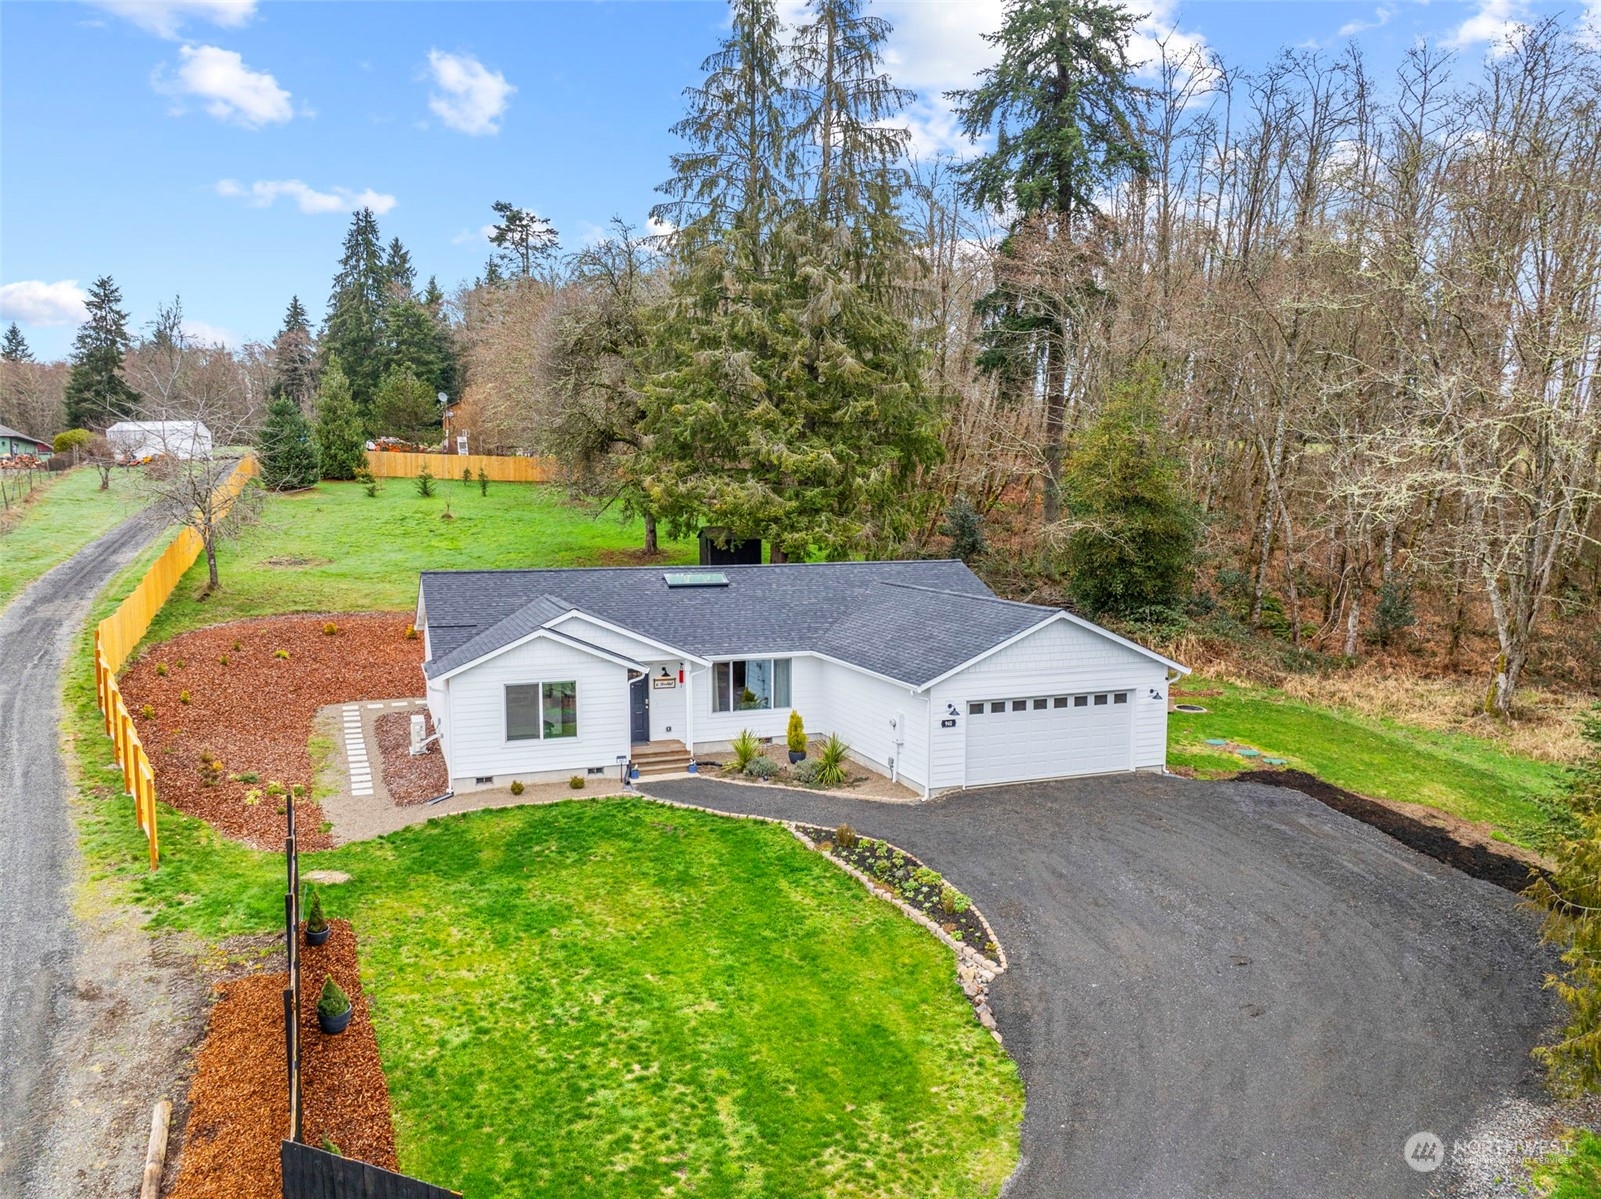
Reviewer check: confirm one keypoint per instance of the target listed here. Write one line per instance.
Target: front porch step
(657, 759)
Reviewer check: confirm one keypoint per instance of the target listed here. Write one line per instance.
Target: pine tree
(854, 158)
(406, 407)
(15, 348)
(97, 395)
(353, 329)
(493, 276)
(294, 358)
(1067, 122)
(416, 339)
(341, 445)
(1134, 543)
(525, 239)
(736, 173)
(399, 273)
(288, 449)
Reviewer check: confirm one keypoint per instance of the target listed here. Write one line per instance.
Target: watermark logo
(1424, 1152)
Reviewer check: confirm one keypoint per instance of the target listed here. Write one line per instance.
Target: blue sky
(215, 148)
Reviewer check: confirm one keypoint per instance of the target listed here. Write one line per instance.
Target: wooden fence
(386, 464)
(311, 1173)
(117, 634)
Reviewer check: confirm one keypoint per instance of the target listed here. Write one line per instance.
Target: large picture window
(541, 710)
(750, 684)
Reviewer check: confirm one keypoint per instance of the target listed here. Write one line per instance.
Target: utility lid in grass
(1273, 761)
(1216, 741)
(1188, 708)
(1249, 753)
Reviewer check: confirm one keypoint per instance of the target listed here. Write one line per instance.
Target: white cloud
(229, 90)
(939, 44)
(165, 18)
(1381, 18)
(1497, 22)
(470, 97)
(263, 192)
(204, 333)
(470, 236)
(35, 302)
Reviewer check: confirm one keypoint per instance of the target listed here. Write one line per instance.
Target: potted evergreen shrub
(333, 1007)
(317, 929)
(796, 736)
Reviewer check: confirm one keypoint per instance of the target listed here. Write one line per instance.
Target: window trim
(775, 702)
(539, 712)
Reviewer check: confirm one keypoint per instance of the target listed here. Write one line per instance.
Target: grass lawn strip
(58, 519)
(332, 549)
(244, 695)
(1464, 776)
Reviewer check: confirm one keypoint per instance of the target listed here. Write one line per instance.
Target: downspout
(689, 714)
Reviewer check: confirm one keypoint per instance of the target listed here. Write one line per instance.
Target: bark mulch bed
(905, 876)
(409, 780)
(239, 1104)
(1445, 838)
(250, 709)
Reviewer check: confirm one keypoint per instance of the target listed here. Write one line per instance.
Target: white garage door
(1041, 737)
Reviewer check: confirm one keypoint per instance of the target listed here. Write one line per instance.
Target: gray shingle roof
(7, 431)
(910, 621)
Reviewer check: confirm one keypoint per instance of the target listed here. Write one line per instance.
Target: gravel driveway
(1220, 989)
(62, 1131)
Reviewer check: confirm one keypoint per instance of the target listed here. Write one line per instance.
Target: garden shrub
(330, 629)
(411, 632)
(517, 787)
(483, 482)
(831, 762)
(237, 646)
(147, 712)
(795, 736)
(745, 748)
(952, 901)
(315, 920)
(805, 771)
(222, 661)
(761, 767)
(281, 654)
(252, 797)
(183, 697)
(161, 670)
(425, 482)
(69, 440)
(845, 837)
(333, 1000)
(577, 781)
(965, 527)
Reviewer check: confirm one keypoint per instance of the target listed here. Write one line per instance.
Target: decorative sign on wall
(948, 723)
(664, 682)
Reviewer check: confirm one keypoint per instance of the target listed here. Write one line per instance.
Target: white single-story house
(538, 675)
(136, 440)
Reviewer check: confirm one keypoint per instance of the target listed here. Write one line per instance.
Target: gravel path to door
(1222, 990)
(94, 1016)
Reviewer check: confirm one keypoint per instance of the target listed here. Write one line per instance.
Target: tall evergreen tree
(406, 407)
(399, 273)
(736, 172)
(288, 448)
(1066, 117)
(353, 329)
(294, 358)
(493, 276)
(15, 347)
(97, 395)
(525, 239)
(341, 448)
(416, 339)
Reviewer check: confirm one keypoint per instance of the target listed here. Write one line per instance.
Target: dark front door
(639, 709)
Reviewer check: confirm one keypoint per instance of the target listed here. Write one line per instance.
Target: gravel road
(86, 1009)
(1222, 990)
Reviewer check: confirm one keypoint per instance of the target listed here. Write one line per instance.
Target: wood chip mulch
(239, 1103)
(409, 780)
(252, 710)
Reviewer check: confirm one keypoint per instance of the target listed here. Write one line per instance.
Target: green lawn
(1463, 775)
(334, 549)
(1572, 1175)
(69, 512)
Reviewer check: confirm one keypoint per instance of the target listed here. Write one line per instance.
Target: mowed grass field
(333, 548)
(67, 513)
(1456, 773)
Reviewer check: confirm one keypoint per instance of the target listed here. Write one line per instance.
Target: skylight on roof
(695, 578)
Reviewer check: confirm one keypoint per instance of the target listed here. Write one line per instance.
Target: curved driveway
(1220, 990)
(38, 853)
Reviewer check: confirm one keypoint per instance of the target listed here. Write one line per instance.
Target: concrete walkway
(1221, 990)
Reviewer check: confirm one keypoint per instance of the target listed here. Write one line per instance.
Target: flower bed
(899, 872)
(409, 780)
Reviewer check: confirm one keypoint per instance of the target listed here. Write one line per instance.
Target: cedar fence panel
(117, 634)
(311, 1173)
(388, 464)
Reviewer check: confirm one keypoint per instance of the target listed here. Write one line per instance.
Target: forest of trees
(1294, 353)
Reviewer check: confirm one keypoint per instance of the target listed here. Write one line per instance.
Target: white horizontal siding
(1061, 658)
(861, 709)
(719, 728)
(580, 626)
(476, 714)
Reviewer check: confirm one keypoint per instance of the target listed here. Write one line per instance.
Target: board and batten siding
(1060, 659)
(476, 715)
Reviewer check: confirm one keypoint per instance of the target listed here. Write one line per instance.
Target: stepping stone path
(356, 751)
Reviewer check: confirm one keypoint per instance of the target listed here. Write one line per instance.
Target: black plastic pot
(796, 755)
(318, 938)
(335, 1023)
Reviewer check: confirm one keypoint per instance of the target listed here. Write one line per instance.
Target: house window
(750, 684)
(1060, 701)
(1081, 701)
(1100, 701)
(975, 709)
(1040, 703)
(998, 705)
(541, 710)
(1020, 705)
(1120, 698)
